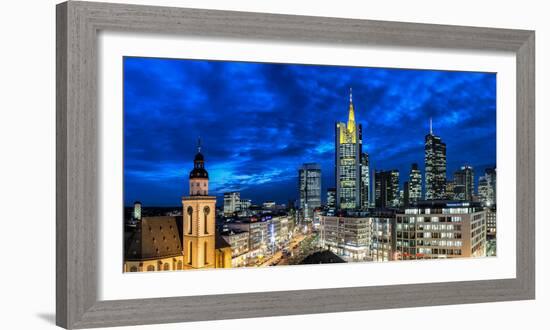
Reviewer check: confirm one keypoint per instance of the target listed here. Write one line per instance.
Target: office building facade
(331, 200)
(348, 237)
(348, 149)
(487, 187)
(464, 184)
(435, 161)
(310, 188)
(386, 185)
(414, 188)
(231, 201)
(440, 230)
(382, 237)
(365, 181)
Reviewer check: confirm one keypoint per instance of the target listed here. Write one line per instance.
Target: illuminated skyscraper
(487, 187)
(137, 210)
(415, 184)
(406, 201)
(387, 188)
(348, 161)
(435, 158)
(310, 188)
(331, 199)
(365, 181)
(450, 191)
(464, 184)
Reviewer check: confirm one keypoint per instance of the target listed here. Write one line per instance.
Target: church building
(182, 242)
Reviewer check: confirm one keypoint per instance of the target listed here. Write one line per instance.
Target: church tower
(199, 214)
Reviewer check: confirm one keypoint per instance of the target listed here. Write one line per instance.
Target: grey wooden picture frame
(78, 24)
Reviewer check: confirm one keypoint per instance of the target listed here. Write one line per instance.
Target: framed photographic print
(216, 165)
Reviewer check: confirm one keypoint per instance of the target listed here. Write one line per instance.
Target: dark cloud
(259, 122)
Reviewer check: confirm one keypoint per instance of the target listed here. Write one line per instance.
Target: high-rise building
(310, 188)
(331, 199)
(491, 213)
(137, 210)
(450, 190)
(487, 187)
(365, 181)
(231, 201)
(386, 188)
(435, 159)
(406, 201)
(464, 183)
(415, 184)
(348, 161)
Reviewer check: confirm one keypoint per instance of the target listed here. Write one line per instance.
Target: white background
(27, 169)
(117, 285)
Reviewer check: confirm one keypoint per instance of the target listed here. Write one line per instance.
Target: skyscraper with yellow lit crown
(348, 165)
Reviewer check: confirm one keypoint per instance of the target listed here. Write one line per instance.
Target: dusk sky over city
(260, 122)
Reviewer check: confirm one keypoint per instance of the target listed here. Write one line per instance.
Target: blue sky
(259, 122)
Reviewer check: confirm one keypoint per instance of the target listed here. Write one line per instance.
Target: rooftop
(153, 238)
(322, 257)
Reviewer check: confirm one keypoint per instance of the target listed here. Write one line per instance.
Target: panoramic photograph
(245, 164)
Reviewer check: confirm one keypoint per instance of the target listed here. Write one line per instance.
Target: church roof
(221, 243)
(154, 238)
(198, 171)
(158, 237)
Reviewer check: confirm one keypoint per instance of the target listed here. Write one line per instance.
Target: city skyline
(261, 122)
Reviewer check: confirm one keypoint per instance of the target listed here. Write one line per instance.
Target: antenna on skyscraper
(431, 130)
(199, 144)
(350, 96)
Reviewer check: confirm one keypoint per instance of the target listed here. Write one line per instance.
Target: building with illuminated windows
(487, 187)
(450, 190)
(348, 161)
(347, 236)
(365, 181)
(491, 221)
(386, 189)
(309, 176)
(231, 202)
(464, 184)
(439, 229)
(238, 240)
(331, 200)
(359, 235)
(435, 160)
(137, 211)
(414, 189)
(382, 236)
(266, 234)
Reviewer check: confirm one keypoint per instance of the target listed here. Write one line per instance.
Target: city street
(278, 257)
